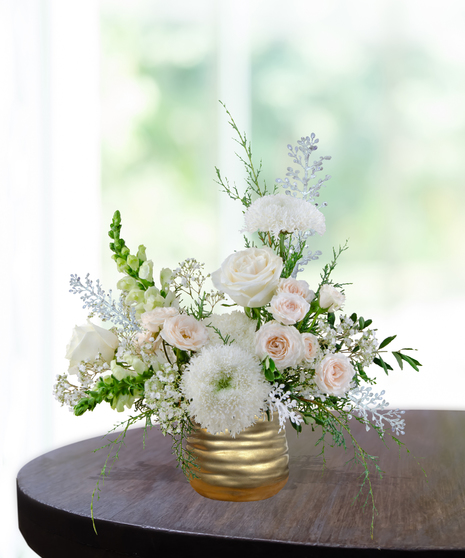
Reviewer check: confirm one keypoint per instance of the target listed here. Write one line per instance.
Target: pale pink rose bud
(154, 319)
(311, 345)
(184, 332)
(296, 286)
(333, 374)
(289, 308)
(145, 338)
(282, 343)
(331, 298)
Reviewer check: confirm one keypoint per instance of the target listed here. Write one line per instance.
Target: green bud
(121, 401)
(141, 253)
(152, 298)
(124, 251)
(135, 295)
(121, 265)
(126, 283)
(133, 262)
(165, 277)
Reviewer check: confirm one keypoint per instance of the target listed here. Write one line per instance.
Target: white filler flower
(281, 213)
(226, 388)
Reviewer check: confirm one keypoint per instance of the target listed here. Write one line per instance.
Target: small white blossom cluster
(68, 393)
(163, 396)
(365, 402)
(279, 401)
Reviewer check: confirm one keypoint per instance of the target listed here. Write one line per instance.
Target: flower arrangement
(282, 347)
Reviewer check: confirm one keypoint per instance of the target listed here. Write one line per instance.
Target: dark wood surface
(147, 508)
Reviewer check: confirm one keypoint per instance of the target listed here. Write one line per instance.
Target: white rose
(154, 319)
(333, 374)
(289, 308)
(87, 342)
(311, 345)
(331, 298)
(184, 332)
(282, 343)
(250, 277)
(296, 286)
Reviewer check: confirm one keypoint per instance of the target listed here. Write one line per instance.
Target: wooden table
(147, 509)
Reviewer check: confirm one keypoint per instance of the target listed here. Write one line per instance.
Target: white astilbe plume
(226, 388)
(279, 401)
(234, 327)
(280, 213)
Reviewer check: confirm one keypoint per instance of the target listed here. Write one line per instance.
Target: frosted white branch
(103, 305)
(365, 402)
(280, 402)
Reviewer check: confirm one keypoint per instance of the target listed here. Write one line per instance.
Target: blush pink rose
(289, 308)
(154, 319)
(333, 374)
(331, 298)
(282, 343)
(311, 345)
(296, 286)
(184, 332)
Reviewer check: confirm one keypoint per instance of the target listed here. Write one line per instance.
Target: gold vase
(251, 466)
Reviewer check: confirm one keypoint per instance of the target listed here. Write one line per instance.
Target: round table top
(147, 508)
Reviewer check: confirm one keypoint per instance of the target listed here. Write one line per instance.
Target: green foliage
(329, 268)
(110, 388)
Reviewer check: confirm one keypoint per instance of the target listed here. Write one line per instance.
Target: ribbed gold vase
(251, 466)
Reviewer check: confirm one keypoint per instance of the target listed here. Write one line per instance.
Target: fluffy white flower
(237, 325)
(226, 388)
(331, 298)
(281, 213)
(250, 277)
(289, 308)
(282, 343)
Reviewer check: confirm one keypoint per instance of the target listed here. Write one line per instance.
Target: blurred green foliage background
(381, 84)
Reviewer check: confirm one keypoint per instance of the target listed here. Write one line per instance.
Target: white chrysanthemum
(226, 388)
(281, 213)
(237, 325)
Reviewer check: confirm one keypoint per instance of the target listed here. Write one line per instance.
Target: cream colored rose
(333, 374)
(250, 277)
(184, 332)
(87, 342)
(331, 298)
(296, 286)
(311, 345)
(289, 308)
(154, 319)
(282, 343)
